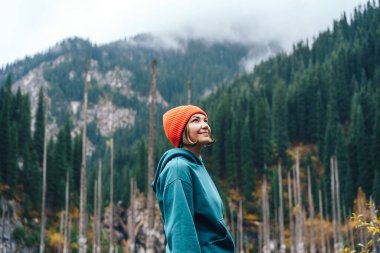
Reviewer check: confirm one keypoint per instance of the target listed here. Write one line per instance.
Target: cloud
(29, 27)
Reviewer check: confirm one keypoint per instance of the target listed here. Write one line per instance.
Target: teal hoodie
(191, 208)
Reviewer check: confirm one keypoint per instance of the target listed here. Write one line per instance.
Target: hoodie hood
(169, 155)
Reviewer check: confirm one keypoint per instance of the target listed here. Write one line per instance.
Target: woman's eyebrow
(198, 117)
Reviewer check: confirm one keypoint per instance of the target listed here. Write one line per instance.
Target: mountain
(322, 99)
(121, 72)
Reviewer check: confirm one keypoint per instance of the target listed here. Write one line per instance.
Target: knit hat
(175, 121)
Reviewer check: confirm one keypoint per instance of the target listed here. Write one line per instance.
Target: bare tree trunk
(365, 217)
(66, 222)
(99, 207)
(266, 226)
(373, 214)
(333, 204)
(237, 246)
(311, 212)
(232, 223)
(95, 227)
(338, 210)
(150, 204)
(291, 224)
(241, 227)
(321, 222)
(61, 232)
(299, 215)
(131, 218)
(261, 238)
(83, 187)
(188, 93)
(281, 211)
(2, 244)
(111, 200)
(69, 233)
(43, 212)
(328, 245)
(349, 229)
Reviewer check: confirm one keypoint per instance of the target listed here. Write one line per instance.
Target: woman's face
(199, 130)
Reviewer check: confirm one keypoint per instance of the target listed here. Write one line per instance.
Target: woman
(191, 208)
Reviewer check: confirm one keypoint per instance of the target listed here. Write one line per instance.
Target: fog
(29, 27)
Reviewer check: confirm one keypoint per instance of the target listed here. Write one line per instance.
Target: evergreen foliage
(39, 128)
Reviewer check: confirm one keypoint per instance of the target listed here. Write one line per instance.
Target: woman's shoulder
(177, 168)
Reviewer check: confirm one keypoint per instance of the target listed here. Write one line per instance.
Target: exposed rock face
(108, 117)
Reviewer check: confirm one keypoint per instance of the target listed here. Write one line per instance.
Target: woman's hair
(185, 139)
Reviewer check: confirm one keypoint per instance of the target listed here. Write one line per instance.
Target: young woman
(191, 208)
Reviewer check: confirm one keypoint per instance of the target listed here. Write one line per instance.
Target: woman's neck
(196, 150)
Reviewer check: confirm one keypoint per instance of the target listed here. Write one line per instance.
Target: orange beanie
(175, 121)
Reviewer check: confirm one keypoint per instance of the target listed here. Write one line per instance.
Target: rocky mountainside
(120, 77)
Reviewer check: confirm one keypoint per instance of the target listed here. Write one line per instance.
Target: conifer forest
(296, 157)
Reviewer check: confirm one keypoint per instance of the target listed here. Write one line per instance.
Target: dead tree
(299, 215)
(83, 188)
(150, 197)
(338, 210)
(62, 217)
(2, 244)
(311, 212)
(265, 210)
(232, 222)
(66, 221)
(188, 93)
(111, 199)
(69, 232)
(333, 204)
(95, 227)
(261, 238)
(131, 217)
(321, 223)
(99, 207)
(328, 245)
(281, 212)
(240, 225)
(43, 212)
(291, 224)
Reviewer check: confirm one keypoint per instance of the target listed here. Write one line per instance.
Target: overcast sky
(32, 26)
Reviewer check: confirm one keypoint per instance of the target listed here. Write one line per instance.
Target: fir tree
(262, 130)
(279, 121)
(249, 173)
(376, 155)
(39, 128)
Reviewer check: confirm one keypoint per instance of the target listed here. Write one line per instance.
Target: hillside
(320, 101)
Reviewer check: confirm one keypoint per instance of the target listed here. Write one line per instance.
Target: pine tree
(39, 128)
(352, 142)
(12, 158)
(219, 133)
(329, 148)
(343, 163)
(262, 130)
(376, 154)
(365, 174)
(33, 175)
(279, 121)
(249, 173)
(5, 135)
(24, 132)
(76, 165)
